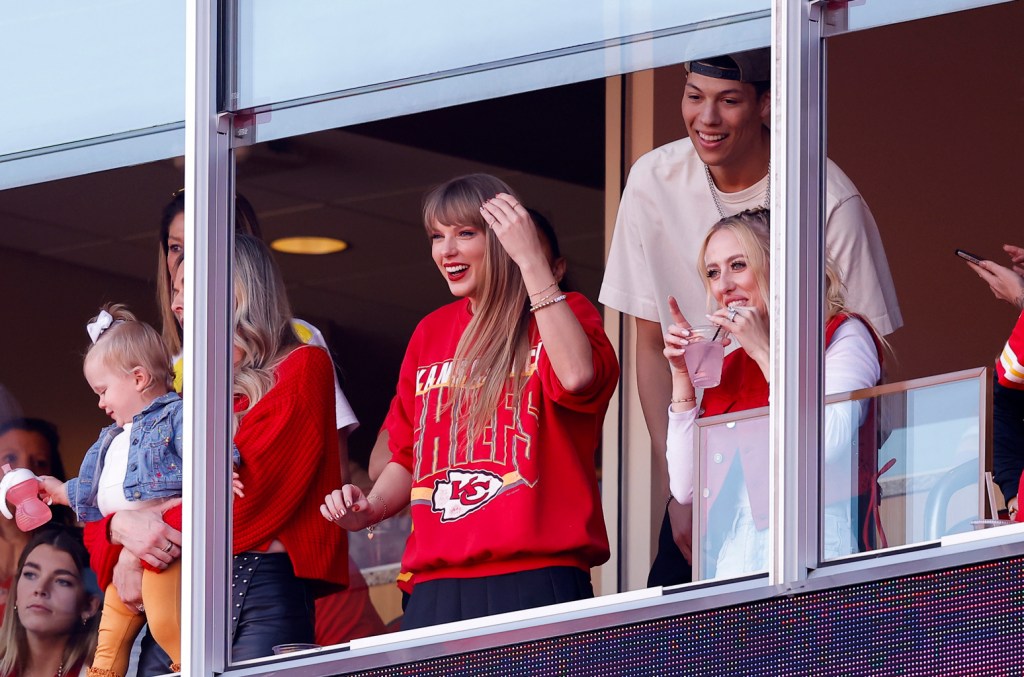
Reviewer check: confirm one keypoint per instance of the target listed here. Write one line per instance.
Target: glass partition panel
(731, 495)
(874, 13)
(88, 70)
(300, 49)
(903, 463)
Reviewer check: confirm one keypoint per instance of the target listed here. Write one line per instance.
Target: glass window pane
(311, 47)
(89, 70)
(733, 530)
(911, 470)
(884, 12)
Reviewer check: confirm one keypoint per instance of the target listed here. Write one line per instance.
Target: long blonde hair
(263, 320)
(14, 650)
(752, 228)
(494, 350)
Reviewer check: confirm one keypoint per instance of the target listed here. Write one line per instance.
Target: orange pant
(161, 596)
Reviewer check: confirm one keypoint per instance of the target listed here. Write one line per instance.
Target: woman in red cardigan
(285, 555)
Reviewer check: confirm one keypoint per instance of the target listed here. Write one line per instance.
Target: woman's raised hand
(514, 228)
(347, 507)
(677, 338)
(749, 326)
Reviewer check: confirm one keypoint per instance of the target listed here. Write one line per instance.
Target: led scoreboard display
(967, 620)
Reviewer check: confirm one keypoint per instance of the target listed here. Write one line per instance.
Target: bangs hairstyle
(81, 638)
(130, 343)
(263, 320)
(752, 230)
(494, 349)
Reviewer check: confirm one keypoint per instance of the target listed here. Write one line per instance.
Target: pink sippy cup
(22, 488)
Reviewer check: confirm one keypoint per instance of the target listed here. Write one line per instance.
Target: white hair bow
(99, 325)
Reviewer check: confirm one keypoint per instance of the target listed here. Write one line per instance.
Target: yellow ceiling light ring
(309, 245)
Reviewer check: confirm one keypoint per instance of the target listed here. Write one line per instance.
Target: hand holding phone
(968, 256)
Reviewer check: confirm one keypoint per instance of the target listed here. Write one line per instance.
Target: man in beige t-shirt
(674, 194)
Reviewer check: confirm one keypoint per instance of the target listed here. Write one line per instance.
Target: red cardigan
(289, 449)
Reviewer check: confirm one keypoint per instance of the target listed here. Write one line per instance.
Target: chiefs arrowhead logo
(463, 492)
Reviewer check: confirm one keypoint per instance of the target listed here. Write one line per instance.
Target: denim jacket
(154, 459)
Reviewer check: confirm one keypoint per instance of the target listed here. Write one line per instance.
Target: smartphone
(968, 256)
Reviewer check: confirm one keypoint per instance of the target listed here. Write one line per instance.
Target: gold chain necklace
(718, 203)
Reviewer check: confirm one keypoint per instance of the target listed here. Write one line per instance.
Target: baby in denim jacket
(136, 463)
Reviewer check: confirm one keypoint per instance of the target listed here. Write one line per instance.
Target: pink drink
(704, 362)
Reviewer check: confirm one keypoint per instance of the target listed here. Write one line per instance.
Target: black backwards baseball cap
(751, 66)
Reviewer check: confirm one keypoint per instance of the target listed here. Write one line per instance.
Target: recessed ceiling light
(309, 245)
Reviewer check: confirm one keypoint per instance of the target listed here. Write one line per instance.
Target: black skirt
(455, 599)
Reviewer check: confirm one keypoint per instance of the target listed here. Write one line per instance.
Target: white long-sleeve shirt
(851, 363)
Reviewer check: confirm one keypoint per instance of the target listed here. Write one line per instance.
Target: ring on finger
(732, 314)
(167, 548)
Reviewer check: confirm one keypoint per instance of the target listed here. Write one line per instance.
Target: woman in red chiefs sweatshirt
(495, 422)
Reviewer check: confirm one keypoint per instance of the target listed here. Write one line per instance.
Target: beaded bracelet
(684, 399)
(369, 529)
(544, 304)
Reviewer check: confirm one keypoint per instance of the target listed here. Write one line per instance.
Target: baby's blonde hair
(129, 343)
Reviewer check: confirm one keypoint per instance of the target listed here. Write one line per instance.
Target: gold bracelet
(549, 296)
(545, 304)
(369, 529)
(553, 284)
(683, 400)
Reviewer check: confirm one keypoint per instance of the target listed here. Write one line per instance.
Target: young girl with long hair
(734, 263)
(49, 626)
(495, 423)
